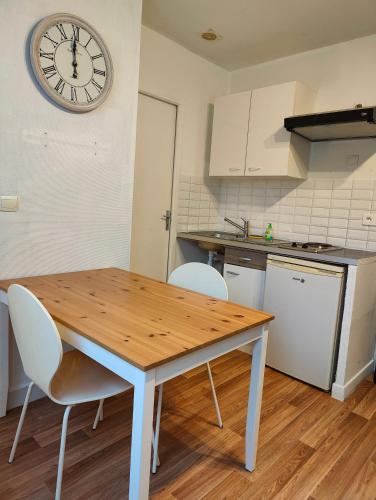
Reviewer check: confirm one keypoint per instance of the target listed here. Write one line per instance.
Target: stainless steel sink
(221, 235)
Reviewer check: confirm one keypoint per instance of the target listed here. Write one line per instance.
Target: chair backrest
(37, 337)
(200, 278)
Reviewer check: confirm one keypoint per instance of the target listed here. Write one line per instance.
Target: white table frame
(144, 386)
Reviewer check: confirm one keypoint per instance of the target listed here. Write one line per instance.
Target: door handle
(232, 169)
(167, 218)
(254, 169)
(232, 273)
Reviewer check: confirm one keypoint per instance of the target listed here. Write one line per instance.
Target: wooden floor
(311, 446)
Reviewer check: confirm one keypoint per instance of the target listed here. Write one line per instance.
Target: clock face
(71, 62)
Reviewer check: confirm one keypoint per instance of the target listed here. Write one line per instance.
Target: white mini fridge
(306, 299)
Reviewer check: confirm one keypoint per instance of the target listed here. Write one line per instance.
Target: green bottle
(269, 232)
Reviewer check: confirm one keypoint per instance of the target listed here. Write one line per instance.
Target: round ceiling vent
(210, 35)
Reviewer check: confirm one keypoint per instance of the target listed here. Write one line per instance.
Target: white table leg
(4, 358)
(254, 401)
(142, 429)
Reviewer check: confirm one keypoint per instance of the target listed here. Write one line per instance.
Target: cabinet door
(268, 142)
(230, 132)
(245, 285)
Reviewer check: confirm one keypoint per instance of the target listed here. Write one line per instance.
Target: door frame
(175, 175)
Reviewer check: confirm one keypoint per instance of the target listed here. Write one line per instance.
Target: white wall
(169, 71)
(75, 205)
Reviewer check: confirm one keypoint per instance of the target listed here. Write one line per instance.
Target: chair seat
(79, 379)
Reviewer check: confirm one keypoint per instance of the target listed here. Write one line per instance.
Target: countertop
(343, 256)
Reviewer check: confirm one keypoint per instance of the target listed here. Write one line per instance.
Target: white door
(230, 134)
(306, 304)
(268, 142)
(245, 285)
(154, 167)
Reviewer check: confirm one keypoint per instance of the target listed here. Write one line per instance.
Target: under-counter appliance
(306, 299)
(309, 246)
(355, 123)
(244, 272)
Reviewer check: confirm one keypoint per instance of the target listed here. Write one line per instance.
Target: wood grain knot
(225, 320)
(238, 316)
(214, 329)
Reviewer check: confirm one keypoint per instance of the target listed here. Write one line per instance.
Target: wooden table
(147, 332)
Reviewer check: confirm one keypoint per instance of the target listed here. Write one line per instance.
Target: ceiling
(256, 31)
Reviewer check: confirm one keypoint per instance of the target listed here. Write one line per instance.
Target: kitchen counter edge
(344, 256)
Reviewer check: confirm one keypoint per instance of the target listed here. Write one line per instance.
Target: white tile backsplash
(327, 210)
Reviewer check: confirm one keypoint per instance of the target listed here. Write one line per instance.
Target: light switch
(9, 203)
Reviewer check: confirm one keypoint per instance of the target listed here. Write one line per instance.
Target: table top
(144, 321)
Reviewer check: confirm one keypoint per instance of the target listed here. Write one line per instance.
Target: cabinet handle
(245, 259)
(234, 169)
(254, 169)
(232, 273)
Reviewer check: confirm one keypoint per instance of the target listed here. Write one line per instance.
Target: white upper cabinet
(269, 150)
(230, 134)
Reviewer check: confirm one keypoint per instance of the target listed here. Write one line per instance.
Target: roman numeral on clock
(47, 55)
(88, 96)
(87, 43)
(96, 57)
(59, 87)
(76, 32)
(73, 92)
(97, 86)
(54, 43)
(99, 72)
(49, 71)
(62, 31)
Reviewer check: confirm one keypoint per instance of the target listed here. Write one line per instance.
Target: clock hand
(74, 62)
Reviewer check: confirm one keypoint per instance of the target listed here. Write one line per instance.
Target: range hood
(356, 123)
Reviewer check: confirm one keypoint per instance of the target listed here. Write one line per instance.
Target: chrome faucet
(243, 229)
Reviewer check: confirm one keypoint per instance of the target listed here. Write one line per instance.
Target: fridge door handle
(232, 273)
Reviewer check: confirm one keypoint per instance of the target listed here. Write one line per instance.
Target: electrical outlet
(9, 203)
(369, 219)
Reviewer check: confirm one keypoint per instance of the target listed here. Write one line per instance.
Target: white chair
(68, 379)
(208, 281)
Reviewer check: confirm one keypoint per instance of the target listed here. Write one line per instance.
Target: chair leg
(99, 415)
(20, 422)
(215, 400)
(156, 433)
(62, 453)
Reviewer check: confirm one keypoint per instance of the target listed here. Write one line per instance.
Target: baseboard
(341, 392)
(16, 396)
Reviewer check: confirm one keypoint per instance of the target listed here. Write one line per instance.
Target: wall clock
(71, 62)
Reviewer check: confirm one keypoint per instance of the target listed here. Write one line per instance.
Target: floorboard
(311, 446)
